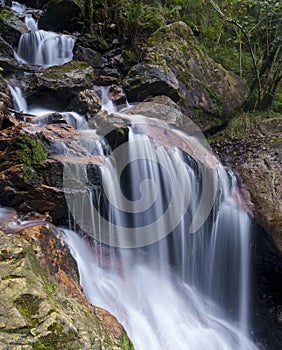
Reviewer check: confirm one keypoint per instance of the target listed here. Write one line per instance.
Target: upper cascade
(46, 49)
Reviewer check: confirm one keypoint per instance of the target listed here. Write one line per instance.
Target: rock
(85, 102)
(117, 95)
(62, 15)
(257, 158)
(145, 80)
(160, 107)
(205, 87)
(261, 173)
(11, 27)
(42, 305)
(58, 85)
(7, 59)
(93, 58)
(32, 164)
(5, 102)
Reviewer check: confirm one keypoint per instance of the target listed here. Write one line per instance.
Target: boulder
(205, 87)
(32, 165)
(86, 102)
(160, 107)
(93, 58)
(145, 80)
(7, 59)
(256, 155)
(62, 15)
(42, 304)
(59, 84)
(11, 27)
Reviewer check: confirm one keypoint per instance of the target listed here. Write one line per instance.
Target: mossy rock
(37, 310)
(11, 27)
(59, 84)
(206, 88)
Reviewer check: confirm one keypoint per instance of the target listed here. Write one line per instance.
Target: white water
(107, 104)
(16, 7)
(188, 291)
(40, 113)
(44, 48)
(30, 22)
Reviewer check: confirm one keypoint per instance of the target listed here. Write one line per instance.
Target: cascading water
(44, 48)
(173, 290)
(40, 114)
(18, 8)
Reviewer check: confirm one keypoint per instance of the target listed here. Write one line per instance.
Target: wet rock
(93, 58)
(7, 59)
(160, 107)
(11, 27)
(85, 102)
(257, 158)
(62, 15)
(144, 80)
(42, 304)
(205, 87)
(117, 95)
(32, 165)
(58, 85)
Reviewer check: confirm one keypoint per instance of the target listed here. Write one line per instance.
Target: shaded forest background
(244, 36)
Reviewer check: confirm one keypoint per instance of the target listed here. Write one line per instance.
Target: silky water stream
(168, 251)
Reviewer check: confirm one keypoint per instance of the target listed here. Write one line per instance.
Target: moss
(28, 306)
(29, 148)
(59, 71)
(7, 16)
(126, 344)
(50, 287)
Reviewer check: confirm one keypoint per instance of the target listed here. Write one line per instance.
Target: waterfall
(172, 289)
(107, 104)
(30, 23)
(20, 103)
(44, 48)
(18, 8)
(40, 114)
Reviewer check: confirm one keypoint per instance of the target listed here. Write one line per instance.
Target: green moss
(28, 306)
(7, 16)
(126, 344)
(50, 287)
(59, 71)
(29, 148)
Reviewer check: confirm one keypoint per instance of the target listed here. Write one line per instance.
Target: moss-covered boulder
(42, 305)
(59, 84)
(11, 27)
(209, 93)
(62, 15)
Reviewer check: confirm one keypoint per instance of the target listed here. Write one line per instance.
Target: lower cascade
(172, 289)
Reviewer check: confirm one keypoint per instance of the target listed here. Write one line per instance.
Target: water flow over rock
(172, 289)
(45, 48)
